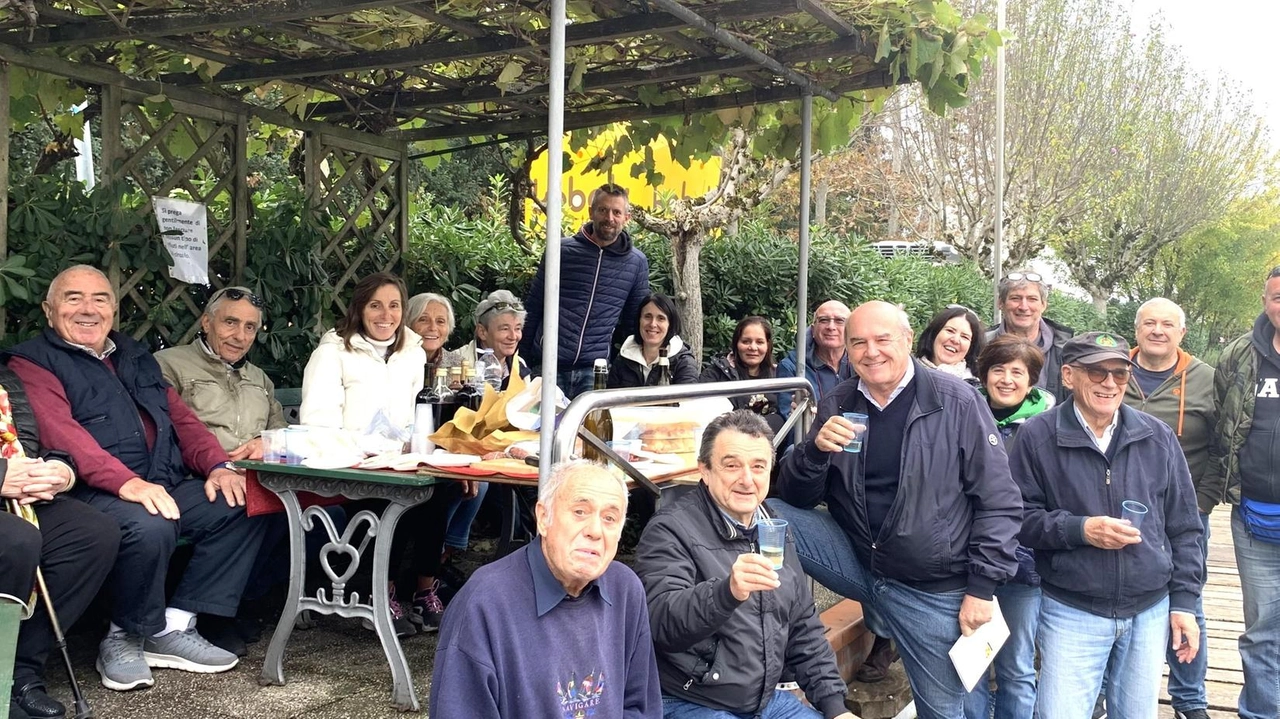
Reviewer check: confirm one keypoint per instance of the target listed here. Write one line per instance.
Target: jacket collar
(1070, 433)
(927, 399)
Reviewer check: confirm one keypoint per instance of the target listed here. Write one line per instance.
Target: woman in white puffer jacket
(371, 360)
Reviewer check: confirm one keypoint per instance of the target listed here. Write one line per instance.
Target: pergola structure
(367, 80)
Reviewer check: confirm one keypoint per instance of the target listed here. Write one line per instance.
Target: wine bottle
(600, 421)
(424, 417)
(442, 399)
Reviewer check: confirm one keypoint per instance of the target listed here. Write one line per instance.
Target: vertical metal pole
(997, 252)
(806, 179)
(551, 277)
(4, 173)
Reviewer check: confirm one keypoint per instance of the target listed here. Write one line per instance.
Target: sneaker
(401, 620)
(428, 607)
(188, 651)
(121, 662)
(1191, 714)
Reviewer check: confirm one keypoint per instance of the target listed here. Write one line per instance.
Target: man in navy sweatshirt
(557, 628)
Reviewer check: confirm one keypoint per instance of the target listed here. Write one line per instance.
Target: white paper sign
(972, 655)
(189, 245)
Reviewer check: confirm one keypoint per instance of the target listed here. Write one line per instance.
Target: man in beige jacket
(231, 395)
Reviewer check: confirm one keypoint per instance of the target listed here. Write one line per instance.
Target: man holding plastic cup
(920, 522)
(726, 617)
(1119, 585)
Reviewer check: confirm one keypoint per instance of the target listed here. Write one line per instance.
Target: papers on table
(972, 655)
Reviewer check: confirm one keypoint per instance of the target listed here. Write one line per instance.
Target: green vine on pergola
(436, 74)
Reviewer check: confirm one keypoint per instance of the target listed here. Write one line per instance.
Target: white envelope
(972, 655)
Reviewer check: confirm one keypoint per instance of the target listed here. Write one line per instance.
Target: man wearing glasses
(825, 360)
(1024, 296)
(1110, 511)
(232, 396)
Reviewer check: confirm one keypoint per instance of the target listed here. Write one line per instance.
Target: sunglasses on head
(966, 310)
(235, 293)
(1020, 276)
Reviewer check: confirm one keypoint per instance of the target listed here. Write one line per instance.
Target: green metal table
(402, 490)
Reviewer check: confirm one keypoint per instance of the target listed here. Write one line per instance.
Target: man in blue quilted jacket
(603, 279)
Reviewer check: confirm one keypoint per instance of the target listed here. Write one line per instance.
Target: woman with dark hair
(370, 362)
(952, 341)
(750, 357)
(657, 327)
(1008, 369)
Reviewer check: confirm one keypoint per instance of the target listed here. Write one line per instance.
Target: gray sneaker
(121, 664)
(188, 651)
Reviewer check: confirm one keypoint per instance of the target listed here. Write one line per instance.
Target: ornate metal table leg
(403, 696)
(273, 665)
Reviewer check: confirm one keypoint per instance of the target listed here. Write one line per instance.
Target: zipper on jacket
(595, 283)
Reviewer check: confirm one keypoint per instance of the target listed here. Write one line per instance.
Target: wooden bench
(851, 641)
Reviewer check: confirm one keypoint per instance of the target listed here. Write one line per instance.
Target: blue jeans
(784, 705)
(1015, 694)
(1259, 565)
(923, 624)
(1077, 649)
(1186, 681)
(460, 515)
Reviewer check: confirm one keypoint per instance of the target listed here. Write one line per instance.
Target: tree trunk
(686, 275)
(1099, 304)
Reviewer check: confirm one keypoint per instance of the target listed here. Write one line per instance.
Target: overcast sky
(1235, 37)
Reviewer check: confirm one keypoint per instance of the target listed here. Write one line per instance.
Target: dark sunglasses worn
(1099, 374)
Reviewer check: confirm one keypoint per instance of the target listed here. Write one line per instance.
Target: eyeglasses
(235, 293)
(837, 321)
(1020, 276)
(1099, 374)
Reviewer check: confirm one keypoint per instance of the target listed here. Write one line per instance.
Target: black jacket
(627, 372)
(712, 649)
(1065, 479)
(955, 519)
(721, 369)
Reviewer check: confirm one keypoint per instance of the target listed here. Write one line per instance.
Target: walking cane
(60, 640)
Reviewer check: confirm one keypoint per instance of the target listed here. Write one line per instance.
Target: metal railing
(570, 427)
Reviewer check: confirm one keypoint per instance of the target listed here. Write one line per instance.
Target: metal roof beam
(826, 16)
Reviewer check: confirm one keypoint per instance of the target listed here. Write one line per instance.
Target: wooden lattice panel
(191, 153)
(359, 195)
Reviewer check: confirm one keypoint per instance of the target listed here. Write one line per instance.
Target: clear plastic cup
(859, 421)
(771, 535)
(273, 445)
(295, 442)
(1133, 512)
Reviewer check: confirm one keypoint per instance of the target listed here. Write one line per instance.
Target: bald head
(81, 306)
(828, 325)
(1159, 328)
(879, 345)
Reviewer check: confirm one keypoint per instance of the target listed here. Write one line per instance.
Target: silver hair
(499, 302)
(562, 472)
(220, 297)
(1182, 315)
(418, 304)
(49, 295)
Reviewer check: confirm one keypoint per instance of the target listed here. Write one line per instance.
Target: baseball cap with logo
(1094, 347)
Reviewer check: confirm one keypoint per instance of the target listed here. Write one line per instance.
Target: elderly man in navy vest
(147, 461)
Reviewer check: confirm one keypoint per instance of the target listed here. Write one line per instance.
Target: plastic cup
(1133, 512)
(771, 535)
(273, 445)
(295, 442)
(625, 448)
(859, 421)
